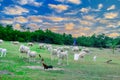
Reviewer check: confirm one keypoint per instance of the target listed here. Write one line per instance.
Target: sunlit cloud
(111, 7)
(15, 10)
(33, 26)
(35, 19)
(69, 26)
(21, 19)
(29, 2)
(86, 23)
(85, 10)
(55, 19)
(59, 7)
(17, 26)
(75, 1)
(6, 21)
(110, 15)
(88, 17)
(113, 34)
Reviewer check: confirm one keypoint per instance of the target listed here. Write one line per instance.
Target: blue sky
(76, 17)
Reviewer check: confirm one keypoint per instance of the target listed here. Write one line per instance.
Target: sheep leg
(2, 54)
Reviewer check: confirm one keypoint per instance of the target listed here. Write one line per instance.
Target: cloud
(17, 26)
(69, 26)
(35, 19)
(59, 7)
(75, 1)
(21, 19)
(88, 17)
(6, 21)
(29, 2)
(55, 19)
(15, 10)
(110, 15)
(113, 34)
(85, 10)
(100, 6)
(33, 26)
(85, 23)
(70, 1)
(111, 7)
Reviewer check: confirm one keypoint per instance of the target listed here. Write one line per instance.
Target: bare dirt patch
(40, 67)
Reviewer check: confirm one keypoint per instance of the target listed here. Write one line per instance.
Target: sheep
(75, 49)
(15, 42)
(31, 54)
(94, 58)
(1, 41)
(30, 44)
(3, 52)
(41, 45)
(24, 49)
(62, 55)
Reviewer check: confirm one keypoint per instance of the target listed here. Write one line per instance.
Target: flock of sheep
(61, 53)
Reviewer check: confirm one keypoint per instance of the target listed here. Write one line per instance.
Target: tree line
(7, 33)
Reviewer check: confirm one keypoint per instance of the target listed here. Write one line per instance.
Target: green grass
(85, 69)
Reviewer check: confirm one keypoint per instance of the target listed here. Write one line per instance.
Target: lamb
(30, 44)
(1, 41)
(3, 52)
(62, 55)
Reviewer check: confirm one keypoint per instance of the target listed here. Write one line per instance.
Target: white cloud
(59, 7)
(71, 1)
(29, 2)
(110, 15)
(75, 1)
(100, 6)
(21, 19)
(111, 7)
(15, 10)
(6, 21)
(85, 10)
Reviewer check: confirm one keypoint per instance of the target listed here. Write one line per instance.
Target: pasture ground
(14, 67)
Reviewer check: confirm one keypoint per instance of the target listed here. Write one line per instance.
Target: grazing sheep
(31, 54)
(54, 53)
(75, 49)
(24, 49)
(15, 42)
(1, 41)
(30, 44)
(41, 45)
(83, 53)
(62, 55)
(3, 52)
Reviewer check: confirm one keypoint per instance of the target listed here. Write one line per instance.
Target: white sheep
(3, 52)
(75, 49)
(41, 45)
(62, 55)
(1, 41)
(24, 49)
(15, 42)
(31, 54)
(83, 53)
(30, 44)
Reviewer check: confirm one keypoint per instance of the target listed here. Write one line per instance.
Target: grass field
(13, 66)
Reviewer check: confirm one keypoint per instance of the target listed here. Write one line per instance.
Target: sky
(76, 17)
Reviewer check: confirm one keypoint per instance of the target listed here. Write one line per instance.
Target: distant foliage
(47, 36)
